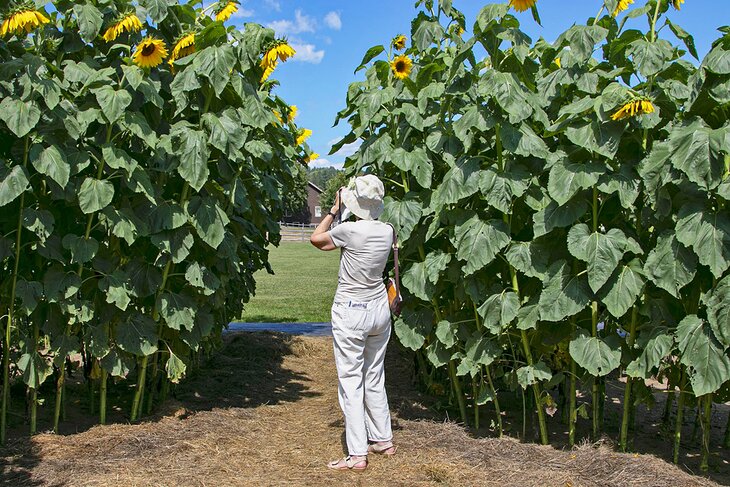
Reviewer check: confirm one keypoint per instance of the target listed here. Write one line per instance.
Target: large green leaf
(415, 280)
(112, 102)
(461, 181)
(116, 287)
(555, 216)
(499, 310)
(215, 63)
(194, 159)
(567, 178)
(177, 310)
(601, 252)
(20, 117)
(696, 151)
(175, 368)
(708, 233)
(415, 162)
(718, 311)
(530, 258)
(35, 368)
(482, 350)
(564, 294)
(89, 20)
(82, 249)
(621, 291)
(509, 92)
(413, 326)
(403, 215)
(532, 374)
(653, 350)
(12, 184)
(601, 138)
(477, 242)
(95, 195)
(208, 219)
(137, 335)
(51, 161)
(670, 265)
(156, 9)
(446, 333)
(425, 31)
(595, 355)
(500, 188)
(708, 363)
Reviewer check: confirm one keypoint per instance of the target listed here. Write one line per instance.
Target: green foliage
(136, 203)
(327, 198)
(555, 213)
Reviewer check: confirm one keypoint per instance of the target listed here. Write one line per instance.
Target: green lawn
(302, 288)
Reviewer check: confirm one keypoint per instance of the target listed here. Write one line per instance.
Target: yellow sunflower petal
(401, 66)
(292, 113)
(622, 5)
(225, 13)
(399, 42)
(522, 5)
(677, 4)
(150, 52)
(304, 134)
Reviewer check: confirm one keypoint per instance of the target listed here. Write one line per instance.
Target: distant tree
(320, 175)
(296, 201)
(327, 198)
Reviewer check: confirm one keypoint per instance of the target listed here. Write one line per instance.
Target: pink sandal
(348, 463)
(386, 449)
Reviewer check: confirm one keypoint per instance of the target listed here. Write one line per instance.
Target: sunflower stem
(11, 309)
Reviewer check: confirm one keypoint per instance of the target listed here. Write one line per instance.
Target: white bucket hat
(363, 196)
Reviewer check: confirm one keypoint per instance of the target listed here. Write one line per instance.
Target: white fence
(296, 232)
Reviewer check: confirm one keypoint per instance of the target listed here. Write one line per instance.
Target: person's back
(365, 248)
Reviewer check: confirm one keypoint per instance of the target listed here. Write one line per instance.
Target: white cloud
(242, 13)
(307, 53)
(333, 20)
(346, 150)
(301, 23)
(325, 163)
(274, 4)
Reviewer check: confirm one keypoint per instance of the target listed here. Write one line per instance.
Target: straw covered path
(263, 411)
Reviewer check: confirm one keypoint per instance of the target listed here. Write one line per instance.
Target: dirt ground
(263, 411)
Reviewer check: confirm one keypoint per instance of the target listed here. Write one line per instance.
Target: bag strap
(395, 260)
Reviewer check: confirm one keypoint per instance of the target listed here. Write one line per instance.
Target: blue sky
(331, 38)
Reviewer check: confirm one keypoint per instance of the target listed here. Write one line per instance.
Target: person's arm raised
(321, 237)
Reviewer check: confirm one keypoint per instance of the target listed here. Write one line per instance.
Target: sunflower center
(400, 66)
(148, 49)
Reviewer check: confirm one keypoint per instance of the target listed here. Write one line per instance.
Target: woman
(360, 319)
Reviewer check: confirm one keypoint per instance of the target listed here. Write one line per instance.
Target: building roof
(315, 187)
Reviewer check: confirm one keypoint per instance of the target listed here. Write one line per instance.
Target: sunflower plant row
(562, 208)
(142, 173)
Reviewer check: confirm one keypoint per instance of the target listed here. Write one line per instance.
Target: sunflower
(401, 66)
(633, 108)
(225, 10)
(311, 157)
(622, 5)
(281, 51)
(127, 23)
(303, 135)
(149, 53)
(522, 5)
(558, 63)
(292, 113)
(399, 42)
(183, 47)
(22, 21)
(278, 116)
(677, 4)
